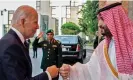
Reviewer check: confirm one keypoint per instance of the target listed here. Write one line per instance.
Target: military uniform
(52, 53)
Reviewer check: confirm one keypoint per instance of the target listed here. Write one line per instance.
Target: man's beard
(107, 34)
(104, 34)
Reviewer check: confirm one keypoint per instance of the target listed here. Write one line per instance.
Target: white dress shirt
(19, 34)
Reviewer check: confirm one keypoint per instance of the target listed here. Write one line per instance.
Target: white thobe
(98, 68)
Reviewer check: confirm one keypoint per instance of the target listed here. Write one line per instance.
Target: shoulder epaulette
(58, 41)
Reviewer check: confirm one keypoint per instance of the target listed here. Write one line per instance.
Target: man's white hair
(21, 13)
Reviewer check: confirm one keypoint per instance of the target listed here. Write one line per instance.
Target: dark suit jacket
(15, 63)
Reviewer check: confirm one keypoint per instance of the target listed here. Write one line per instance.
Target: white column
(60, 21)
(38, 30)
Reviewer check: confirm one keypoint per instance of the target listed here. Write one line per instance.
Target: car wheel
(81, 60)
(84, 56)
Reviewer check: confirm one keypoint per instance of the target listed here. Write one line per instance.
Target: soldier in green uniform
(52, 51)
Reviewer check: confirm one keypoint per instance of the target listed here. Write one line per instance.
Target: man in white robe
(113, 58)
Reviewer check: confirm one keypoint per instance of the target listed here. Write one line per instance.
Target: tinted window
(67, 39)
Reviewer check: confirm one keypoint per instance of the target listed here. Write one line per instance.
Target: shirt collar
(19, 34)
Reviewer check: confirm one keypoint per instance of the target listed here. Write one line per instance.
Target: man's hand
(40, 35)
(53, 71)
(64, 71)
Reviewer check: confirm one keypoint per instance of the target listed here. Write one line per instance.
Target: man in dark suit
(52, 50)
(15, 62)
(34, 51)
(97, 40)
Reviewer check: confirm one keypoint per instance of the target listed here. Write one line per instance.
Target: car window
(67, 39)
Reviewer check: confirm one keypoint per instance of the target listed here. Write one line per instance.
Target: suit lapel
(25, 49)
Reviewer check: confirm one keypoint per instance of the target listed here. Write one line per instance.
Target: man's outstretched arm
(80, 71)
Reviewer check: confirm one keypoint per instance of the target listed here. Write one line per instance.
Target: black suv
(73, 47)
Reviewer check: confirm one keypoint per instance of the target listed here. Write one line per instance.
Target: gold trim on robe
(113, 70)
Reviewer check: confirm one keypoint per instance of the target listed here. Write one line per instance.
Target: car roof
(67, 35)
